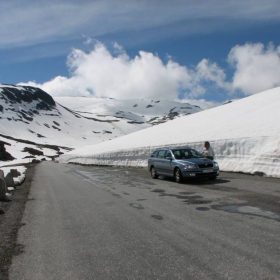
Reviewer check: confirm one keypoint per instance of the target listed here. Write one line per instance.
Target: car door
(159, 161)
(167, 164)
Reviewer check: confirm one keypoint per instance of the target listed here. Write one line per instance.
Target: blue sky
(203, 52)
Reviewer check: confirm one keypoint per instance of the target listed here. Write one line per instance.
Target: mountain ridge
(32, 117)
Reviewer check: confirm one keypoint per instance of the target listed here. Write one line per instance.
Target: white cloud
(211, 72)
(103, 74)
(205, 75)
(257, 67)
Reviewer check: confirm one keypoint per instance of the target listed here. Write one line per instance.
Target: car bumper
(200, 174)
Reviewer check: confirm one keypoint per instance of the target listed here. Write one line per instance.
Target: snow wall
(259, 156)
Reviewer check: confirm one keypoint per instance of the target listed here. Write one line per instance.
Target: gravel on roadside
(11, 212)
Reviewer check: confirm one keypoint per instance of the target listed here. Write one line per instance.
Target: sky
(201, 52)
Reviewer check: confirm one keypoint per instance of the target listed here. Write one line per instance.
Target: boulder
(3, 188)
(5, 156)
(9, 179)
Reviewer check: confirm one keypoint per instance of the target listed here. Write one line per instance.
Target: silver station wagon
(181, 163)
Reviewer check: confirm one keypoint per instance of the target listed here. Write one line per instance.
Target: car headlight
(190, 166)
(216, 165)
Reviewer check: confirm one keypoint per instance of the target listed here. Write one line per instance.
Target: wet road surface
(86, 222)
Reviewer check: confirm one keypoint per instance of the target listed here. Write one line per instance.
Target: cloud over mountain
(104, 73)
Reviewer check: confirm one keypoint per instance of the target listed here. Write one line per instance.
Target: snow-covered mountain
(31, 118)
(245, 134)
(133, 110)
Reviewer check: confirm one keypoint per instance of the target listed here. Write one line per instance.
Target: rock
(3, 188)
(5, 156)
(9, 179)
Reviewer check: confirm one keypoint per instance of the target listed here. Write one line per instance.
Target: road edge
(11, 213)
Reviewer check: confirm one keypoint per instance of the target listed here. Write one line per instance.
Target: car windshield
(186, 153)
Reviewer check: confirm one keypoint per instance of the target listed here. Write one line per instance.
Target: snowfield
(31, 119)
(244, 134)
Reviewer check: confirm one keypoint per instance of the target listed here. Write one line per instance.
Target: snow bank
(245, 136)
(249, 155)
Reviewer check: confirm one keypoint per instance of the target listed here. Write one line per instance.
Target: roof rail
(179, 147)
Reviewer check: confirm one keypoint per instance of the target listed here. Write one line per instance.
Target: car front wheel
(154, 173)
(178, 176)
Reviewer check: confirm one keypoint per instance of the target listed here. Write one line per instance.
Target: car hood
(196, 161)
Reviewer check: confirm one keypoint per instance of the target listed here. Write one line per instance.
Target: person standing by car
(208, 151)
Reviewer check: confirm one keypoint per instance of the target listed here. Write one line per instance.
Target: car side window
(161, 154)
(154, 154)
(167, 154)
(177, 154)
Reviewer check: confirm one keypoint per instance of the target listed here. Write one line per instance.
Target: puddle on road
(202, 208)
(158, 191)
(157, 217)
(187, 193)
(189, 199)
(136, 205)
(220, 188)
(114, 194)
(249, 210)
(197, 201)
(144, 187)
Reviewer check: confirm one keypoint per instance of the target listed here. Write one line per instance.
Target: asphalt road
(86, 222)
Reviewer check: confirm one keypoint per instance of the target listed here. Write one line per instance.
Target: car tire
(178, 175)
(212, 178)
(154, 173)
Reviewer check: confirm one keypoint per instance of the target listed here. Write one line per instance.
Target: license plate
(207, 170)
